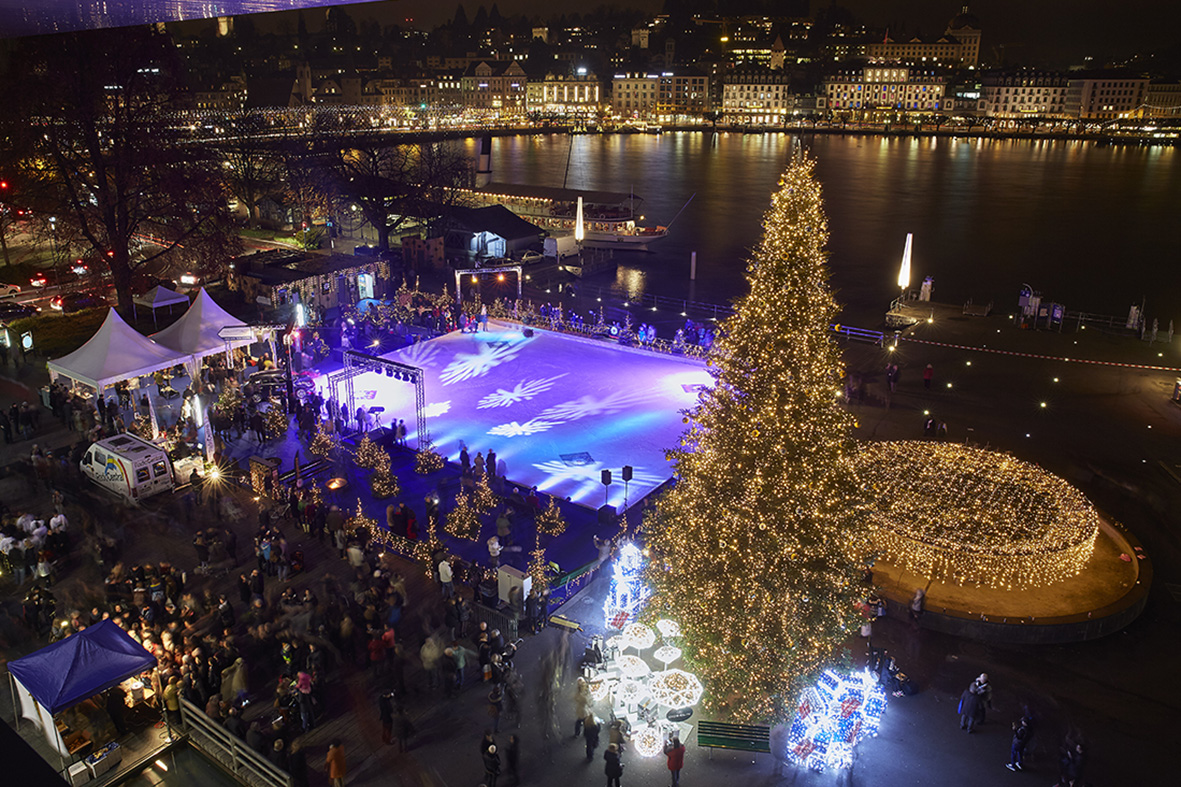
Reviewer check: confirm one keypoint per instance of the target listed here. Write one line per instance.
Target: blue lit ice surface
(832, 717)
(557, 409)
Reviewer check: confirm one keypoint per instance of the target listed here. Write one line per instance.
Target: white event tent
(157, 298)
(115, 352)
(195, 334)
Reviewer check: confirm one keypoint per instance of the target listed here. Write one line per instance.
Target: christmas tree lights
(483, 498)
(832, 717)
(627, 592)
(325, 443)
(360, 521)
(758, 548)
(550, 521)
(369, 455)
(463, 521)
(230, 399)
(427, 460)
(969, 516)
(276, 421)
(541, 570)
(383, 483)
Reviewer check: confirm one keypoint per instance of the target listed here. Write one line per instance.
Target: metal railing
(861, 334)
(230, 750)
(497, 620)
(662, 303)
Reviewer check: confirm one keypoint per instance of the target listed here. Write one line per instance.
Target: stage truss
(357, 363)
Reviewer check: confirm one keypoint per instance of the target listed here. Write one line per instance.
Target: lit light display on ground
(676, 688)
(627, 592)
(966, 515)
(832, 717)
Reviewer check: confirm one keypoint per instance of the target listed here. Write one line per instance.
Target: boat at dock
(609, 218)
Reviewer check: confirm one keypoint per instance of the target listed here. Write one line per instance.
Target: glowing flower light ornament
(676, 688)
(667, 654)
(638, 636)
(632, 666)
(648, 742)
(629, 692)
(832, 717)
(668, 628)
(628, 591)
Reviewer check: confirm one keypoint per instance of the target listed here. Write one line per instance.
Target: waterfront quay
(1109, 428)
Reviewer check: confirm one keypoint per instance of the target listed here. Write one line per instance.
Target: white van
(128, 466)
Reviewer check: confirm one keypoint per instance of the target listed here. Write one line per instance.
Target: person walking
(590, 732)
(1020, 741)
(337, 769)
(512, 755)
(674, 751)
(582, 704)
(983, 689)
(928, 375)
(612, 767)
(491, 766)
(969, 709)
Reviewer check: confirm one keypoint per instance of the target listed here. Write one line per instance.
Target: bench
(740, 737)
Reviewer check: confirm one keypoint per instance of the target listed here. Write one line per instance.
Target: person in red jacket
(675, 752)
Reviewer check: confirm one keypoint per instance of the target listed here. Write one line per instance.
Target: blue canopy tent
(76, 668)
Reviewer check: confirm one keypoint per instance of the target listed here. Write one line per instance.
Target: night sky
(1037, 32)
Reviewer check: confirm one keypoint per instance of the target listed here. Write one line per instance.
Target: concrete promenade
(1111, 430)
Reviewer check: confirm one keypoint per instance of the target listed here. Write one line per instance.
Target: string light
(276, 422)
(832, 717)
(676, 688)
(325, 443)
(427, 460)
(541, 570)
(758, 547)
(550, 521)
(483, 498)
(969, 516)
(627, 590)
(369, 455)
(463, 521)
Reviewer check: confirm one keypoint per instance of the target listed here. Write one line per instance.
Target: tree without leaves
(251, 170)
(394, 184)
(105, 155)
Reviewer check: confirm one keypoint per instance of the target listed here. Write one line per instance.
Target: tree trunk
(4, 245)
(121, 276)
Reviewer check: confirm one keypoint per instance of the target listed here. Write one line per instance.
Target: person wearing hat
(491, 765)
(613, 767)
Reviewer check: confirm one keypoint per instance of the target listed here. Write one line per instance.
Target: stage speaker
(606, 477)
(608, 515)
(627, 472)
(528, 333)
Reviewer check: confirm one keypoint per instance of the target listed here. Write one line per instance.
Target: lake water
(1091, 227)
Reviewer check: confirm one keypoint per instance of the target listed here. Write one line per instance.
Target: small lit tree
(463, 521)
(550, 521)
(427, 460)
(277, 422)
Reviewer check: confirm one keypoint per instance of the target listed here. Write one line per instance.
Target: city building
(666, 95)
(495, 85)
(877, 93)
(1105, 95)
(959, 46)
(1024, 94)
(1162, 100)
(757, 96)
(577, 95)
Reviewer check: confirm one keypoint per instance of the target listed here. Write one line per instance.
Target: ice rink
(557, 409)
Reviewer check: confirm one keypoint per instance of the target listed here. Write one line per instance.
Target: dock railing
(231, 751)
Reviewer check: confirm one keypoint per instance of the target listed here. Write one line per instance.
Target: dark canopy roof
(80, 666)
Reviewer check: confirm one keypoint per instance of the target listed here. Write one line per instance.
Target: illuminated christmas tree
(463, 521)
(550, 521)
(383, 482)
(359, 521)
(369, 455)
(759, 546)
(325, 443)
(540, 569)
(276, 422)
(427, 460)
(483, 498)
(229, 399)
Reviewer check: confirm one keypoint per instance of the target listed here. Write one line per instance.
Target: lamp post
(53, 233)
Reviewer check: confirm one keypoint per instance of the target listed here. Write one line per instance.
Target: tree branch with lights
(758, 547)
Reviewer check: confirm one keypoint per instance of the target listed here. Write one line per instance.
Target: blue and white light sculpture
(832, 717)
(628, 592)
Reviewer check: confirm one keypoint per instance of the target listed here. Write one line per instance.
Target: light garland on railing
(969, 516)
(832, 717)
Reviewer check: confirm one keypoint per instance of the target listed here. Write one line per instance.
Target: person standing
(446, 579)
(491, 766)
(928, 375)
(582, 704)
(613, 767)
(1020, 741)
(674, 751)
(512, 755)
(590, 732)
(337, 769)
(969, 709)
(983, 689)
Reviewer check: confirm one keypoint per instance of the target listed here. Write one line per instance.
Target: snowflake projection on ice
(435, 409)
(514, 429)
(588, 406)
(420, 354)
(522, 392)
(468, 366)
(832, 717)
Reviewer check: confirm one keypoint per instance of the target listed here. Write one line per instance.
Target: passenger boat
(609, 218)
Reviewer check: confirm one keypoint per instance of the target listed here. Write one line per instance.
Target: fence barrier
(230, 750)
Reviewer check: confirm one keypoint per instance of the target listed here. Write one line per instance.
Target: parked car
(77, 301)
(8, 289)
(12, 311)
